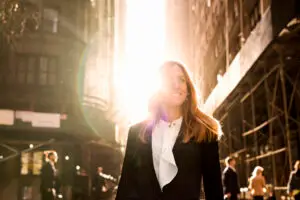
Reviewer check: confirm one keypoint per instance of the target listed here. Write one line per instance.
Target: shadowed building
(55, 91)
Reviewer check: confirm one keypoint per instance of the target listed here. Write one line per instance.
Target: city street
(75, 75)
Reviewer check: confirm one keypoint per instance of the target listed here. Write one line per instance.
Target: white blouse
(163, 139)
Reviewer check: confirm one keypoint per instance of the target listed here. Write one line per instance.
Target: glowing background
(144, 53)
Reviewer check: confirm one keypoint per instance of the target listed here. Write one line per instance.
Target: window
(25, 70)
(236, 9)
(52, 72)
(255, 15)
(47, 71)
(11, 74)
(50, 20)
(21, 71)
(43, 71)
(31, 163)
(31, 69)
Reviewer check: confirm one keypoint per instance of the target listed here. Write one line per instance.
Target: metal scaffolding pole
(257, 128)
(270, 153)
(295, 88)
(229, 134)
(289, 79)
(298, 132)
(254, 88)
(282, 112)
(244, 138)
(250, 125)
(271, 139)
(254, 124)
(286, 114)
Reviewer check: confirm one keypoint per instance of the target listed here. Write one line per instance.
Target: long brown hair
(197, 125)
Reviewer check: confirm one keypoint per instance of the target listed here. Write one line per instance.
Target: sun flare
(144, 53)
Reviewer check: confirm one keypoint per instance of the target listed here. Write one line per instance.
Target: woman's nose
(175, 84)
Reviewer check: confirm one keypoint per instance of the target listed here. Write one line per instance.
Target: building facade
(244, 56)
(55, 90)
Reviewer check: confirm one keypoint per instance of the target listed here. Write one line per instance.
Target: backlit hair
(197, 125)
(228, 160)
(257, 170)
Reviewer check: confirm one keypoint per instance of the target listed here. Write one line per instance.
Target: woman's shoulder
(212, 127)
(137, 127)
(257, 178)
(209, 144)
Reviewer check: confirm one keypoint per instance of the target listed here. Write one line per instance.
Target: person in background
(168, 154)
(48, 185)
(99, 185)
(272, 195)
(294, 182)
(257, 183)
(230, 180)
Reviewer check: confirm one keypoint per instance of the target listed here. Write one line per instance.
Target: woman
(257, 183)
(294, 182)
(168, 154)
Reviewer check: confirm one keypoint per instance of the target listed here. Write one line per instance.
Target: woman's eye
(182, 80)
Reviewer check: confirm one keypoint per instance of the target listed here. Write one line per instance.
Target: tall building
(177, 39)
(245, 56)
(55, 90)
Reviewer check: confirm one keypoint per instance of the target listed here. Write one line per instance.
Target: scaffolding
(261, 117)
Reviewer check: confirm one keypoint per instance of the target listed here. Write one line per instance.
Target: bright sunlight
(144, 53)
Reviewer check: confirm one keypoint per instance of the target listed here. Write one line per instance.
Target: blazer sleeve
(211, 171)
(226, 182)
(47, 177)
(127, 188)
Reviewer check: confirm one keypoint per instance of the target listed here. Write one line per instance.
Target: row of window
(57, 17)
(32, 70)
(49, 20)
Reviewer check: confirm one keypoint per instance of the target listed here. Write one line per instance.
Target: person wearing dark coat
(170, 153)
(48, 185)
(230, 180)
(294, 182)
(99, 185)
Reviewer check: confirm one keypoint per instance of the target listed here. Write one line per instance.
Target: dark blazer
(294, 181)
(97, 184)
(48, 177)
(194, 161)
(230, 181)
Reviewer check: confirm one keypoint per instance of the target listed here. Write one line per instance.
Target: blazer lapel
(178, 142)
(149, 159)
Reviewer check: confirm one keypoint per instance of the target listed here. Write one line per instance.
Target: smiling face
(174, 88)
